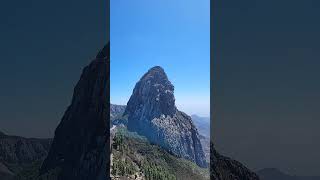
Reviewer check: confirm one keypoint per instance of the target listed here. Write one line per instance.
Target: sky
(266, 83)
(266, 68)
(44, 47)
(172, 34)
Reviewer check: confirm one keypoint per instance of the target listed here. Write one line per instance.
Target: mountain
(275, 174)
(116, 115)
(202, 124)
(80, 147)
(16, 153)
(152, 113)
(224, 168)
(116, 110)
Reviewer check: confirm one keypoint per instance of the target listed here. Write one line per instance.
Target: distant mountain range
(202, 124)
(18, 153)
(116, 110)
(276, 174)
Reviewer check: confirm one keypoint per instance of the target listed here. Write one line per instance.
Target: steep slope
(152, 113)
(81, 145)
(224, 168)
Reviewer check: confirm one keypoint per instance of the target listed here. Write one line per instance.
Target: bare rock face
(224, 168)
(80, 148)
(152, 113)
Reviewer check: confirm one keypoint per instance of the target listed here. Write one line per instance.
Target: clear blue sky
(174, 34)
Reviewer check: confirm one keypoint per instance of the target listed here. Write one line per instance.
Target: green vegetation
(134, 156)
(123, 168)
(156, 172)
(118, 142)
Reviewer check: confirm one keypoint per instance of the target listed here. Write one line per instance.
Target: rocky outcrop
(224, 168)
(80, 148)
(152, 113)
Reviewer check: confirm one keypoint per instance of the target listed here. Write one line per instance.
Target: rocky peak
(152, 113)
(154, 90)
(157, 75)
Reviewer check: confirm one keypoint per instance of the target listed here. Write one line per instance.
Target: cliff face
(152, 113)
(81, 145)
